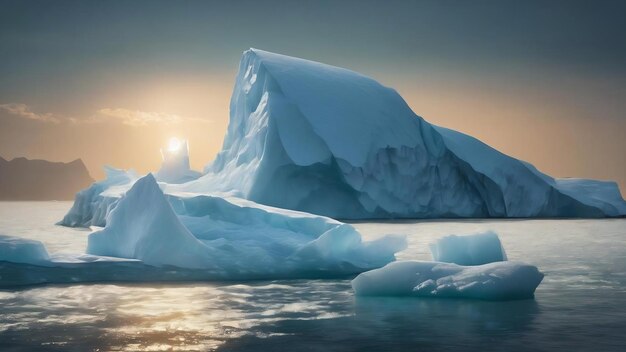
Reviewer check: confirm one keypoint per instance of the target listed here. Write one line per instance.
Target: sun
(174, 144)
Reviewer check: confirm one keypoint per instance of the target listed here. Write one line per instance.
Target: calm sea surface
(580, 306)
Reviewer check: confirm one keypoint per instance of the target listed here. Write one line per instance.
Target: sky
(111, 82)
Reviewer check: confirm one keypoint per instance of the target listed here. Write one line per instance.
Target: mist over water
(580, 305)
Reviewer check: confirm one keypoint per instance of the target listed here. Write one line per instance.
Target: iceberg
(152, 236)
(493, 281)
(322, 139)
(233, 238)
(315, 138)
(476, 249)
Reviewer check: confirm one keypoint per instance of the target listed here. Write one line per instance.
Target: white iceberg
(493, 281)
(476, 249)
(233, 238)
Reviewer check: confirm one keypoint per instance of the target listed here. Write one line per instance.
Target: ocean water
(580, 305)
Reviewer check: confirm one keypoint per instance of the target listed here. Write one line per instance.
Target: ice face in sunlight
(20, 250)
(234, 238)
(493, 281)
(175, 167)
(476, 249)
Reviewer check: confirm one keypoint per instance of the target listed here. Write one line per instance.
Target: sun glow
(174, 144)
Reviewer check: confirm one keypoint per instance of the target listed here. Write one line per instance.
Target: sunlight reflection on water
(145, 318)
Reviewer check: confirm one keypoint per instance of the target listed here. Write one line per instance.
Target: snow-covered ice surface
(579, 306)
(474, 249)
(493, 281)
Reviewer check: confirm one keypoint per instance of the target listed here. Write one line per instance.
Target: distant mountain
(24, 179)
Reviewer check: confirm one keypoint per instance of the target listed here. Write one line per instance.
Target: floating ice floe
(471, 266)
(493, 281)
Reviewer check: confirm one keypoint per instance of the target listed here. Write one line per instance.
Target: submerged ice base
(493, 281)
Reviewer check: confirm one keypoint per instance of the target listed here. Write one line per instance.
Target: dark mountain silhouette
(24, 179)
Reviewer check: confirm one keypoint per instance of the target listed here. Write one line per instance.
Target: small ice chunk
(493, 281)
(21, 250)
(476, 249)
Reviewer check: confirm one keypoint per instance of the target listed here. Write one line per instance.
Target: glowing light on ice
(174, 144)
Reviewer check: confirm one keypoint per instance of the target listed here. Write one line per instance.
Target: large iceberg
(322, 139)
(493, 281)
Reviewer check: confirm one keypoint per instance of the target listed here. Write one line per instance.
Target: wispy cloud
(137, 117)
(24, 111)
(127, 117)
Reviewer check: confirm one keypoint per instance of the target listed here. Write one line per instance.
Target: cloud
(24, 111)
(138, 118)
(125, 116)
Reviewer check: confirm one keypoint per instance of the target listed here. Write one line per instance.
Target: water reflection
(388, 324)
(186, 317)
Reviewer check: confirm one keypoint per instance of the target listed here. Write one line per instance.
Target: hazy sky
(111, 81)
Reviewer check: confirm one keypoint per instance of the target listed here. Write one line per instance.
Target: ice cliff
(326, 140)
